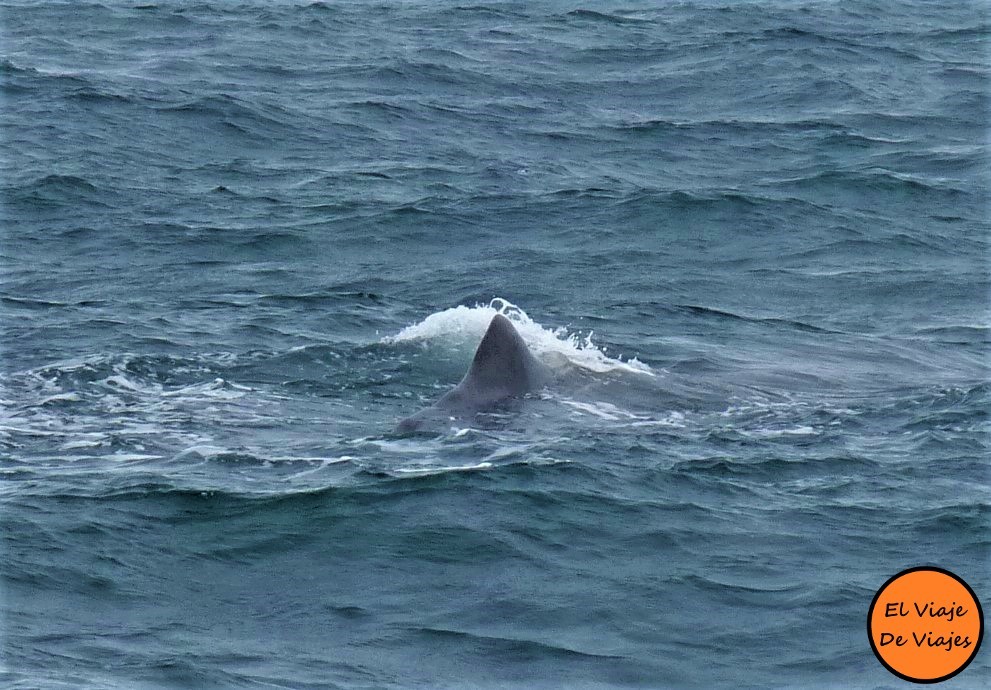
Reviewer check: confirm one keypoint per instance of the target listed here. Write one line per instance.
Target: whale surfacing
(502, 369)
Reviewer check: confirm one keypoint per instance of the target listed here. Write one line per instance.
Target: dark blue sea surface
(240, 241)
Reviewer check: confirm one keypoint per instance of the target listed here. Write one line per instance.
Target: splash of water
(462, 325)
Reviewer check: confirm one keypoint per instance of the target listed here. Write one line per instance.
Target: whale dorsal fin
(502, 365)
(502, 368)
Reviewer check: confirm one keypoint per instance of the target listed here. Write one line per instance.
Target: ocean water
(241, 240)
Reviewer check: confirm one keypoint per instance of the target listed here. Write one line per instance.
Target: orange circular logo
(925, 624)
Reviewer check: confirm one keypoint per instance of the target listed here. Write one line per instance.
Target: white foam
(590, 408)
(61, 397)
(218, 389)
(603, 410)
(131, 457)
(625, 418)
(323, 463)
(85, 442)
(777, 433)
(205, 452)
(121, 381)
(443, 469)
(462, 325)
(675, 420)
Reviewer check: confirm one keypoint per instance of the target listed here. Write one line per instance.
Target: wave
(511, 647)
(956, 335)
(221, 481)
(781, 469)
(736, 591)
(874, 178)
(715, 199)
(723, 125)
(29, 303)
(487, 11)
(325, 298)
(786, 323)
(422, 74)
(23, 78)
(59, 190)
(95, 95)
(896, 245)
(250, 118)
(605, 17)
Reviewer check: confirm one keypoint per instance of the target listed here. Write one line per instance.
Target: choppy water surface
(241, 240)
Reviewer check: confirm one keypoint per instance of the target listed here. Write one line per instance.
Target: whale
(502, 370)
